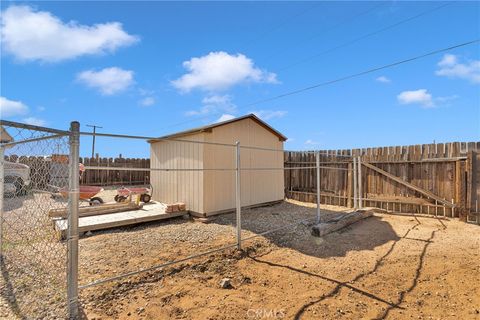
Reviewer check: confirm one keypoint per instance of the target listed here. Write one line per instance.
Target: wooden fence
(114, 177)
(441, 179)
(43, 172)
(53, 170)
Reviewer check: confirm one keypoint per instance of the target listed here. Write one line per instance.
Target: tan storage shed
(208, 192)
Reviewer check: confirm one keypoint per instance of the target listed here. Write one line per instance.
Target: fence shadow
(7, 291)
(12, 202)
(379, 262)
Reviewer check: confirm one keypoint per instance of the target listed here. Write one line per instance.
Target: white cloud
(269, 114)
(35, 121)
(448, 60)
(225, 117)
(147, 101)
(447, 98)
(215, 104)
(450, 67)
(109, 80)
(10, 108)
(420, 96)
(31, 35)
(219, 71)
(311, 142)
(383, 79)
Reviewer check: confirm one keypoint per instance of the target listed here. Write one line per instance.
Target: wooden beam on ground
(409, 185)
(341, 222)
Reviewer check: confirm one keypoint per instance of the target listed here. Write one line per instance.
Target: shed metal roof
(223, 123)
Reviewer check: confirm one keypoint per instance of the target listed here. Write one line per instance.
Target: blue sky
(151, 68)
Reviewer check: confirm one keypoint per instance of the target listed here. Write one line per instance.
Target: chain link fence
(48, 248)
(34, 168)
(218, 181)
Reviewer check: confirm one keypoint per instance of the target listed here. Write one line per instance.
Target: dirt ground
(394, 267)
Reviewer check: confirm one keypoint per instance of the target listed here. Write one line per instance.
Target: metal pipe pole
(93, 142)
(355, 196)
(360, 195)
(93, 139)
(318, 186)
(2, 160)
(72, 245)
(237, 195)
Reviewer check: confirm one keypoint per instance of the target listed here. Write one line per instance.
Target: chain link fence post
(73, 202)
(237, 195)
(318, 185)
(360, 195)
(355, 176)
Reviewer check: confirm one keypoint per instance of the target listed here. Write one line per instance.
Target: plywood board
(150, 212)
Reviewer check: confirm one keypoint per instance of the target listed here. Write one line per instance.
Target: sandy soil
(386, 266)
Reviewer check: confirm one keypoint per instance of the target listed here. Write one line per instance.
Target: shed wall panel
(178, 186)
(258, 186)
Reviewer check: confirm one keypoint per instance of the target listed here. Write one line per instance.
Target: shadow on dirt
(350, 284)
(13, 202)
(8, 292)
(363, 235)
(418, 270)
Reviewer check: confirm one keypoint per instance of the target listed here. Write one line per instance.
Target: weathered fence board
(450, 171)
(47, 171)
(115, 177)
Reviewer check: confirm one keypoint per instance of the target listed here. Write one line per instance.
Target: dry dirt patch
(384, 267)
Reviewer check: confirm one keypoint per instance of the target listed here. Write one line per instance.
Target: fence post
(237, 195)
(2, 160)
(349, 185)
(72, 245)
(360, 195)
(355, 176)
(318, 186)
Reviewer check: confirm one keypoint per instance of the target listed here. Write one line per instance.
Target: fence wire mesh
(177, 175)
(35, 167)
(202, 176)
(239, 185)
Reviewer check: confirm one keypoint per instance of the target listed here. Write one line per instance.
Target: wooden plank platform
(105, 208)
(152, 211)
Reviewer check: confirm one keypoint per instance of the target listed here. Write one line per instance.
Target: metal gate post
(360, 195)
(2, 160)
(318, 186)
(237, 195)
(72, 244)
(355, 195)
